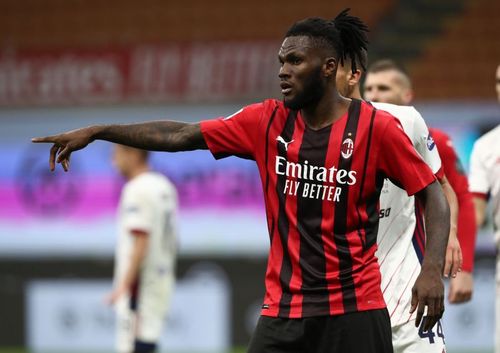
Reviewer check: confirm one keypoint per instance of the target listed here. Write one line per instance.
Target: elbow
(433, 198)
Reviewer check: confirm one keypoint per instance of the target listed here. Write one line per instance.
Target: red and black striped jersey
(321, 190)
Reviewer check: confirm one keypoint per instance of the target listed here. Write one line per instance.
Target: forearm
(167, 136)
(437, 225)
(480, 210)
(467, 230)
(136, 258)
(452, 199)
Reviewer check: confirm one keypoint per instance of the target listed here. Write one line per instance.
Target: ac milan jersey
(321, 189)
(401, 237)
(484, 178)
(466, 223)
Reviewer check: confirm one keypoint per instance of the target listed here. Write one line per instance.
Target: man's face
(124, 159)
(498, 82)
(387, 87)
(301, 73)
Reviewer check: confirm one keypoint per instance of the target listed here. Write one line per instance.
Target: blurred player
(484, 182)
(401, 236)
(320, 157)
(145, 252)
(388, 82)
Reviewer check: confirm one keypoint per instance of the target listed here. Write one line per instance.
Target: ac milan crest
(347, 148)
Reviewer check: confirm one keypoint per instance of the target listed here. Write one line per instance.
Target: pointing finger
(44, 139)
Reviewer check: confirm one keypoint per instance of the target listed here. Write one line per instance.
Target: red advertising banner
(153, 73)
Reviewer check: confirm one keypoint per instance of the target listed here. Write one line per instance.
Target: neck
(134, 172)
(356, 93)
(328, 110)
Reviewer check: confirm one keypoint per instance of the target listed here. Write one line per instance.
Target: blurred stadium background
(66, 64)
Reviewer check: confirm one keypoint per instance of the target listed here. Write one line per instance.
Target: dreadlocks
(353, 37)
(345, 35)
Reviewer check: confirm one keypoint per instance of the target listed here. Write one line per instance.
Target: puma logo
(282, 140)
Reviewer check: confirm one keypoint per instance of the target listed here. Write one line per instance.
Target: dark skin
(303, 64)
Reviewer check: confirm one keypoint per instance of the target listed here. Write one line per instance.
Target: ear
(408, 96)
(330, 67)
(354, 78)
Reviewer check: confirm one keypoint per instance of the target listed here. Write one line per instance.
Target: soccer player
(484, 183)
(401, 235)
(145, 252)
(322, 159)
(388, 82)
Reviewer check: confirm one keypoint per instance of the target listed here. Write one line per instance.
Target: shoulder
(383, 118)
(274, 106)
(438, 135)
(490, 138)
(149, 183)
(259, 110)
(399, 111)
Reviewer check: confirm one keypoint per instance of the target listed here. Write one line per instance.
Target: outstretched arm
(168, 136)
(429, 289)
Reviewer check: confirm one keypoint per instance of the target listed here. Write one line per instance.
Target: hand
(64, 144)
(428, 290)
(116, 294)
(453, 260)
(461, 288)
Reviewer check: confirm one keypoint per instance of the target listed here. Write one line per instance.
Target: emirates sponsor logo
(310, 181)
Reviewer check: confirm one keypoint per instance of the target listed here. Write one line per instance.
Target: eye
(296, 61)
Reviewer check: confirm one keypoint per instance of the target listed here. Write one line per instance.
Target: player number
(384, 212)
(430, 334)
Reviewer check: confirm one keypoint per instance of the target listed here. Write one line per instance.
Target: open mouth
(286, 88)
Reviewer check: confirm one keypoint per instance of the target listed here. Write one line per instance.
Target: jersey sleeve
(466, 217)
(426, 146)
(235, 134)
(478, 176)
(399, 161)
(138, 211)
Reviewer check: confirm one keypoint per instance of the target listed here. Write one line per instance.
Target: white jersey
(401, 236)
(148, 203)
(484, 175)
(484, 179)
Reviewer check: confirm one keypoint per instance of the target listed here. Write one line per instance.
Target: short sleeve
(399, 161)
(478, 177)
(235, 134)
(425, 145)
(138, 212)
(451, 163)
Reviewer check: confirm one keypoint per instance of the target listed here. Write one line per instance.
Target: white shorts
(406, 338)
(145, 323)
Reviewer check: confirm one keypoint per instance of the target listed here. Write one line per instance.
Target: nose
(284, 71)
